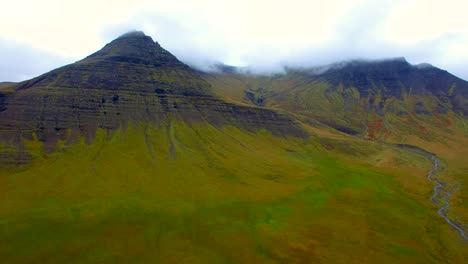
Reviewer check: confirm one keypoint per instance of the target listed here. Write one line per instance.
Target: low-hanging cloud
(264, 35)
(357, 34)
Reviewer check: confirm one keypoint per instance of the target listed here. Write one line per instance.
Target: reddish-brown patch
(447, 122)
(422, 129)
(328, 146)
(374, 128)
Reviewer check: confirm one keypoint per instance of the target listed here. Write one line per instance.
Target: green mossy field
(179, 193)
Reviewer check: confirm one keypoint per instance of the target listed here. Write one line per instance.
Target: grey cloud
(356, 37)
(201, 43)
(198, 48)
(20, 62)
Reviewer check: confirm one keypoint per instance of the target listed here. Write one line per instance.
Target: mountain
(131, 156)
(131, 79)
(376, 99)
(397, 78)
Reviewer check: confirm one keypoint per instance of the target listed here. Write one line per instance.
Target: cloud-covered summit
(264, 35)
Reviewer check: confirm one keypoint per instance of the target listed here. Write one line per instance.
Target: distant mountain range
(133, 78)
(371, 98)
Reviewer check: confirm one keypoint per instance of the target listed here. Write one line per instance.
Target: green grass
(221, 195)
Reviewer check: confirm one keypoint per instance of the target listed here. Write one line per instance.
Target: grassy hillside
(317, 101)
(421, 119)
(179, 193)
(130, 156)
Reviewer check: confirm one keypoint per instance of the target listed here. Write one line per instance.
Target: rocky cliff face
(374, 99)
(397, 78)
(131, 80)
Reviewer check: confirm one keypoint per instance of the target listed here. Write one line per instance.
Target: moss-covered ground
(179, 193)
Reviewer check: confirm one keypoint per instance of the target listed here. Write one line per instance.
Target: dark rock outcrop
(396, 77)
(132, 79)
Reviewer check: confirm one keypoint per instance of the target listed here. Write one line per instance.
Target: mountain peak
(424, 66)
(134, 47)
(399, 59)
(133, 34)
(131, 61)
(367, 62)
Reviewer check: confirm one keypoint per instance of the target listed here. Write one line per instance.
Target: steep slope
(129, 158)
(376, 99)
(388, 101)
(132, 79)
(397, 78)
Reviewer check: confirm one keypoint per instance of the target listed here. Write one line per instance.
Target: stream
(441, 197)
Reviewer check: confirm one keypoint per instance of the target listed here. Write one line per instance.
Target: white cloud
(264, 34)
(419, 20)
(20, 62)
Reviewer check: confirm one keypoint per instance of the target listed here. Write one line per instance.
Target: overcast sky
(39, 35)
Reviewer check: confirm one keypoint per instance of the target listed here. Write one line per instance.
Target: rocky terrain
(131, 79)
(131, 156)
(375, 99)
